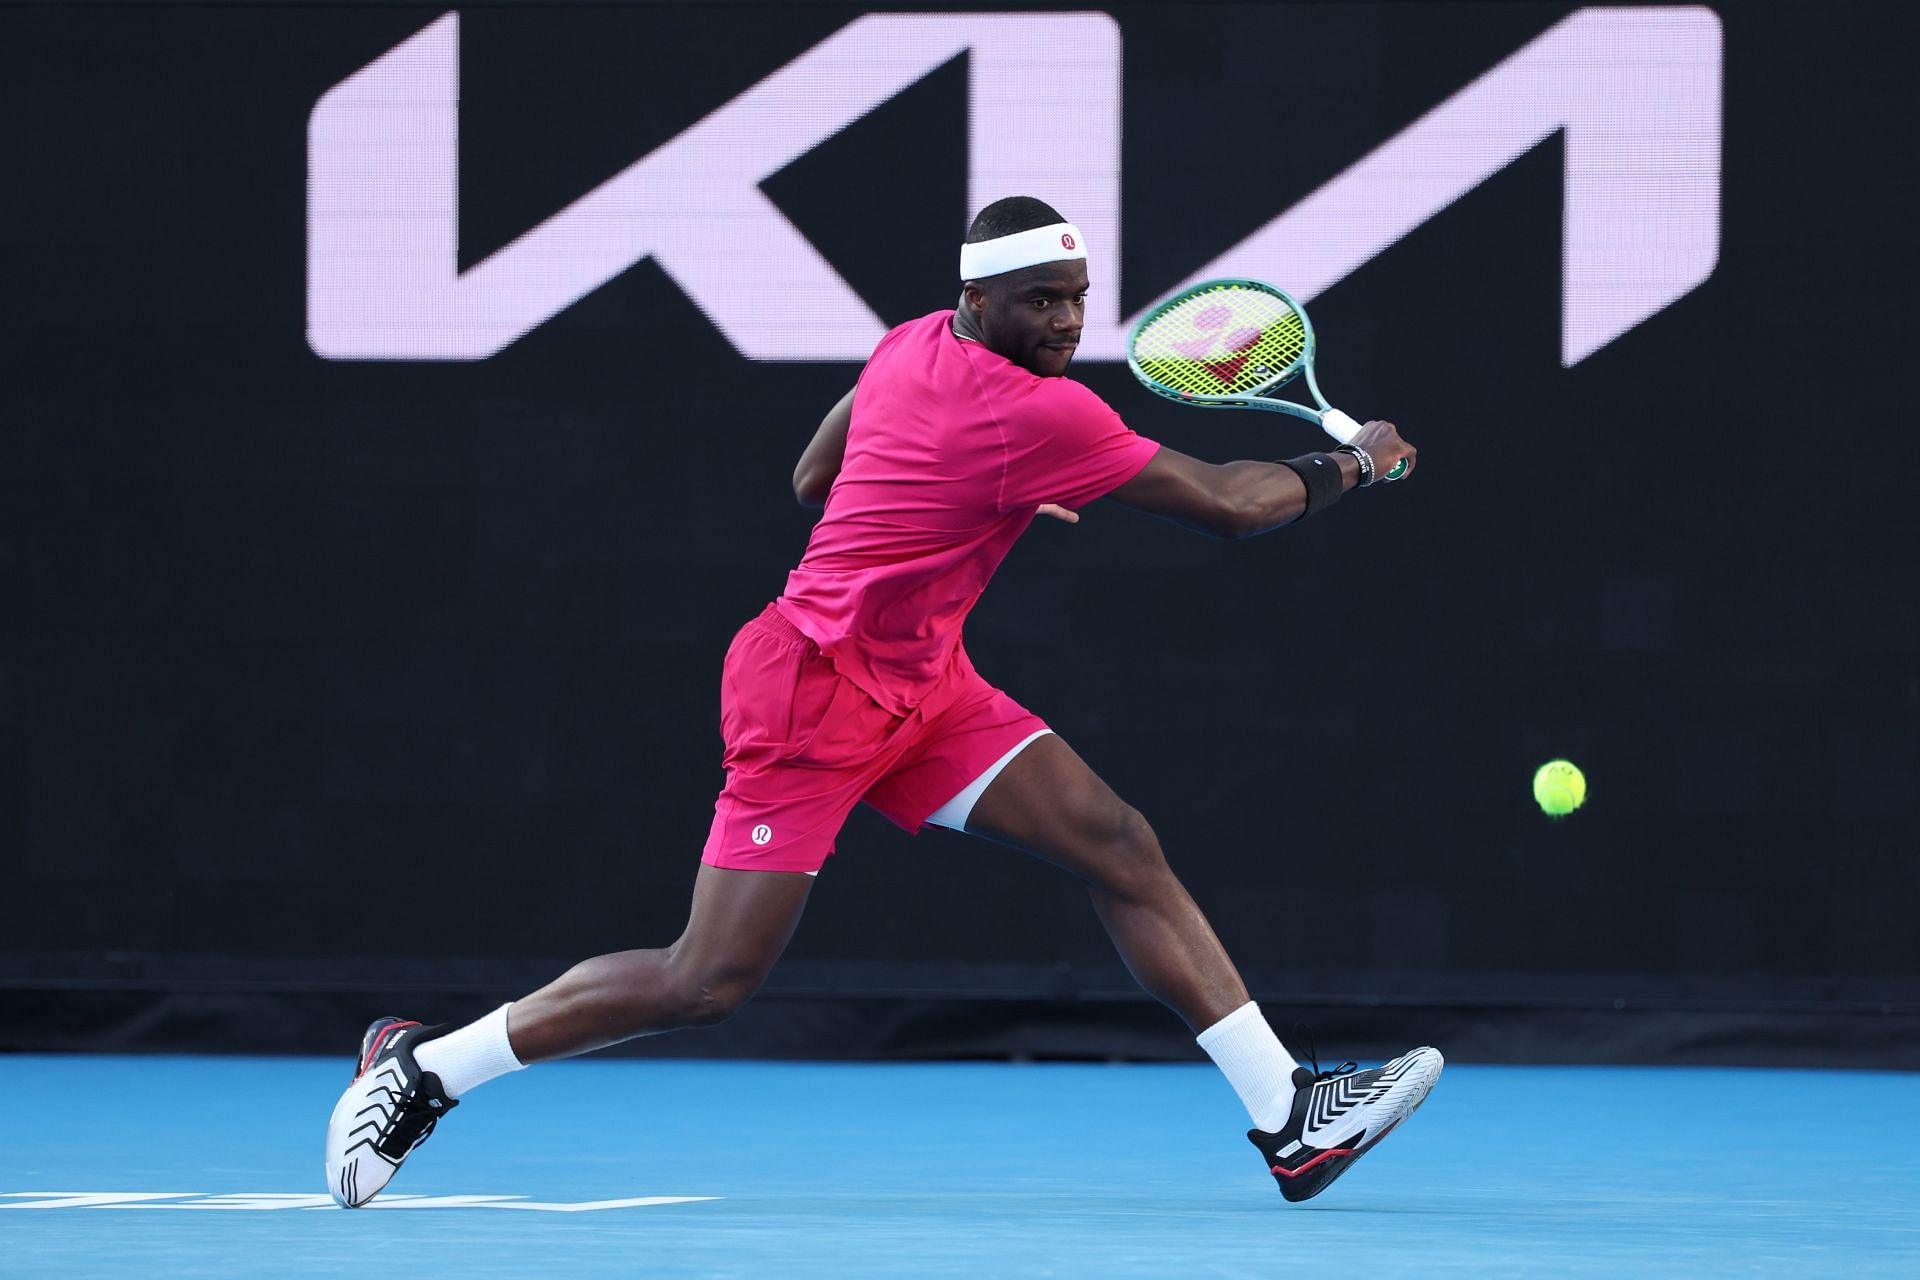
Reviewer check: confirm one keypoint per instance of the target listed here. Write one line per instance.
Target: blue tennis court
(211, 1167)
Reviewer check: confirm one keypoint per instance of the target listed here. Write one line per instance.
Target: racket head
(1224, 343)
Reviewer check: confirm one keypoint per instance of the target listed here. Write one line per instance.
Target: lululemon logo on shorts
(1066, 240)
(762, 833)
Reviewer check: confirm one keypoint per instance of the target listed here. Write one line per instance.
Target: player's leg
(739, 925)
(790, 785)
(990, 767)
(987, 765)
(1308, 1128)
(1047, 802)
(410, 1075)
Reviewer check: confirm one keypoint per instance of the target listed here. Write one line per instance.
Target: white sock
(1255, 1063)
(468, 1058)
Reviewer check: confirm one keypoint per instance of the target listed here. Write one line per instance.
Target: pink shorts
(804, 745)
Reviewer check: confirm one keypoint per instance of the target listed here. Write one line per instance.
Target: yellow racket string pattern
(1223, 341)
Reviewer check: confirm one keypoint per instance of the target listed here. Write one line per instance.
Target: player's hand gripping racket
(1231, 344)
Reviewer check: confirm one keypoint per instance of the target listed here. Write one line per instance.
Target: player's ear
(975, 297)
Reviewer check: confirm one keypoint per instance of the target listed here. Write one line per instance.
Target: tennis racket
(1230, 344)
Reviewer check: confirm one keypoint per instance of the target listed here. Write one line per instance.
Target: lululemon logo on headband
(762, 833)
(1066, 240)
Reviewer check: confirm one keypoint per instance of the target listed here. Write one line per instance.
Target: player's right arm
(814, 474)
(1239, 499)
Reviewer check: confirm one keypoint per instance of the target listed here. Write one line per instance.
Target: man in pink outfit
(854, 686)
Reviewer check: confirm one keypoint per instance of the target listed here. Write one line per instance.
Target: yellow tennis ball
(1560, 787)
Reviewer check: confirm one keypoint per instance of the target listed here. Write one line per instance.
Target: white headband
(1056, 243)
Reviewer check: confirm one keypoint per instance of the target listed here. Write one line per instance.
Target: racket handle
(1339, 426)
(1343, 428)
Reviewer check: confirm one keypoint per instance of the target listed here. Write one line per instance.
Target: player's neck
(965, 327)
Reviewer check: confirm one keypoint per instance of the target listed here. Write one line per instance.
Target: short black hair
(1005, 217)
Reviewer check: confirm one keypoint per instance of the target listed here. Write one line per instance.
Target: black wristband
(1321, 474)
(1362, 457)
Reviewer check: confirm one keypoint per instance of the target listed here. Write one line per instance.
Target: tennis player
(855, 686)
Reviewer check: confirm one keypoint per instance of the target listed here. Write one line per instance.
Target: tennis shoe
(1340, 1115)
(390, 1108)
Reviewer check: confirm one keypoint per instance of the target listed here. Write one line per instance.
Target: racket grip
(1339, 426)
(1344, 429)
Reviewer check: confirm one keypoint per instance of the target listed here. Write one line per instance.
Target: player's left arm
(820, 463)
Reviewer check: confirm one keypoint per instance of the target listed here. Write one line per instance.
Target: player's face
(1034, 317)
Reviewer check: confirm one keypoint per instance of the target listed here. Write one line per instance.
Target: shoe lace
(1313, 1052)
(414, 1118)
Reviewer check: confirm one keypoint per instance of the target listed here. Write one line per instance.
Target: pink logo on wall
(1634, 92)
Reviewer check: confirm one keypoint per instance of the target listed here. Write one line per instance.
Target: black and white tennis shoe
(388, 1110)
(1340, 1115)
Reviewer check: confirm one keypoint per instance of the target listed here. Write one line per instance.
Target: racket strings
(1221, 342)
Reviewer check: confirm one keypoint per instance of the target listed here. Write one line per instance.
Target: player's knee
(715, 1004)
(721, 997)
(702, 998)
(1132, 863)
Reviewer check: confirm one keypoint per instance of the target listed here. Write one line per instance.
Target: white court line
(266, 1200)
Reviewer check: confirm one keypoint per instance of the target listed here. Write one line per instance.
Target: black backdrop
(324, 682)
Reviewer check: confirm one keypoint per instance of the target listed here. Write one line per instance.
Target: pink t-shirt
(951, 452)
